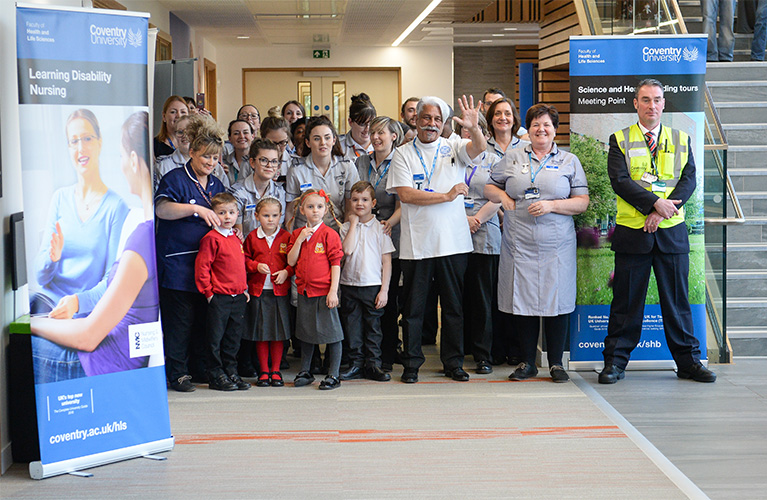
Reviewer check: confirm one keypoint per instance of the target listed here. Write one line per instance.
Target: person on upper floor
(357, 142)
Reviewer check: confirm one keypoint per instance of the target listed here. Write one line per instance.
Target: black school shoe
(558, 374)
(302, 379)
(329, 383)
(221, 383)
(241, 384)
(524, 371)
(183, 384)
(697, 372)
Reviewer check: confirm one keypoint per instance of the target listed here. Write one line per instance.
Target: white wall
(425, 70)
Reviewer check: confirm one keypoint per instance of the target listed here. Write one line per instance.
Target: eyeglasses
(282, 144)
(245, 116)
(86, 140)
(180, 134)
(266, 161)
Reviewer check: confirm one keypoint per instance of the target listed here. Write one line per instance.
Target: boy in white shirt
(364, 284)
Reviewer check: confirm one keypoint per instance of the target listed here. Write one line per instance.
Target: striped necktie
(651, 143)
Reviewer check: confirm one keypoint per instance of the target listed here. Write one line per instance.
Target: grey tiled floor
(716, 434)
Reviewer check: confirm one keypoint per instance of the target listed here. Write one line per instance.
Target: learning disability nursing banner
(96, 344)
(604, 72)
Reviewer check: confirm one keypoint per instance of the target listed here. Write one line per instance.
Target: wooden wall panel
(510, 11)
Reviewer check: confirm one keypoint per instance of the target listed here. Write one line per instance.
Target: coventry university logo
(134, 39)
(690, 55)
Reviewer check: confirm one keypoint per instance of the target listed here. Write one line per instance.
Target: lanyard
(381, 175)
(205, 196)
(171, 143)
(433, 163)
(468, 178)
(540, 166)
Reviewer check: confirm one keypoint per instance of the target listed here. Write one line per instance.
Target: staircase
(739, 90)
(693, 19)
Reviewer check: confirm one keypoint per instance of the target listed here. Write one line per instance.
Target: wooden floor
(487, 438)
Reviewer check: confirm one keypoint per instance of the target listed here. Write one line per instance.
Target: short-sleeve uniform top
(247, 197)
(337, 183)
(537, 271)
(487, 239)
(386, 203)
(432, 230)
(179, 240)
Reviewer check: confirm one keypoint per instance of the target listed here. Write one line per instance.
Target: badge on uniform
(468, 202)
(319, 248)
(658, 186)
(532, 193)
(283, 248)
(649, 178)
(525, 168)
(306, 186)
(250, 207)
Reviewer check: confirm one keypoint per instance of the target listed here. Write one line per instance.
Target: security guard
(652, 171)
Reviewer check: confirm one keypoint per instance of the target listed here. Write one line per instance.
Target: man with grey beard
(435, 241)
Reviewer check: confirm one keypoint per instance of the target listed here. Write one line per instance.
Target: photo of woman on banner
(100, 343)
(84, 223)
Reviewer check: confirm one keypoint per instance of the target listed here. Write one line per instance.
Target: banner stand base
(39, 470)
(636, 365)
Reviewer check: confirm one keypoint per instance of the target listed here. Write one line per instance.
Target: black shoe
(558, 374)
(183, 384)
(457, 374)
(409, 376)
(352, 373)
(329, 383)
(524, 371)
(241, 384)
(221, 382)
(276, 378)
(263, 380)
(302, 379)
(611, 374)
(377, 374)
(484, 367)
(697, 372)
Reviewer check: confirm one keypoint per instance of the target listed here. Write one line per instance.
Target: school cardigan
(220, 265)
(257, 251)
(318, 253)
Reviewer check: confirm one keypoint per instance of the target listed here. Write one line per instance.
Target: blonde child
(268, 314)
(315, 252)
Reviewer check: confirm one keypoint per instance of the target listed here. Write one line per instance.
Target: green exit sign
(321, 54)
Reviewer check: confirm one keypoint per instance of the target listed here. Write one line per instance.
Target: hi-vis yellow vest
(671, 157)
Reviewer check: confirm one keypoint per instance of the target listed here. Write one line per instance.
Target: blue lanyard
(171, 143)
(433, 163)
(540, 166)
(468, 178)
(381, 175)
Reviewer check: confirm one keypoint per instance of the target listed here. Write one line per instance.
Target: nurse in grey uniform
(386, 135)
(540, 188)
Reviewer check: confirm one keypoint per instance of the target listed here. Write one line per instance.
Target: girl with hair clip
(386, 135)
(322, 167)
(268, 313)
(357, 142)
(98, 344)
(315, 252)
(174, 108)
(184, 216)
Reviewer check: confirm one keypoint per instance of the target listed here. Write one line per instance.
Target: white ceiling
(322, 23)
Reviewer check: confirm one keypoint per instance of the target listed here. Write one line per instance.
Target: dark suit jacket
(627, 240)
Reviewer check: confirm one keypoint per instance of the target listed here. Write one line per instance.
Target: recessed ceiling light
(497, 34)
(485, 41)
(242, 37)
(509, 29)
(416, 22)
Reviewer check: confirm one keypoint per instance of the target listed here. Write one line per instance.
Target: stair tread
(736, 83)
(742, 104)
(744, 126)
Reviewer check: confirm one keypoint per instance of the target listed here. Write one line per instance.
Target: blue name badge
(306, 186)
(418, 177)
(250, 207)
(552, 167)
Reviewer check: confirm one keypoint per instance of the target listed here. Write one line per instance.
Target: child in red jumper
(315, 252)
(266, 260)
(220, 275)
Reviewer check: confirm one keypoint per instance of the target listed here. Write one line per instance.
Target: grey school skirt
(268, 317)
(315, 323)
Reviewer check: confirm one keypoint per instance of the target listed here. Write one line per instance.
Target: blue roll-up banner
(97, 343)
(604, 72)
